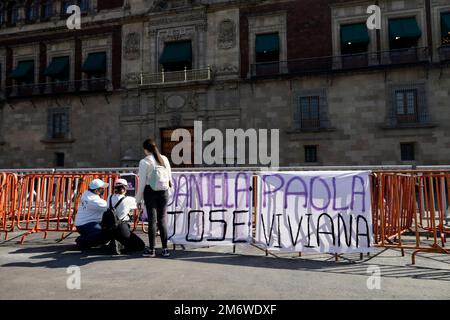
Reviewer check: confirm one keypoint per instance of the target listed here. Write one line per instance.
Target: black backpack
(110, 221)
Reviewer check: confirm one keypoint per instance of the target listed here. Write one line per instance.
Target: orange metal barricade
(49, 202)
(8, 200)
(414, 204)
(410, 208)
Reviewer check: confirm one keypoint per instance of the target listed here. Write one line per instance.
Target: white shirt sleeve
(169, 169)
(130, 203)
(142, 175)
(100, 203)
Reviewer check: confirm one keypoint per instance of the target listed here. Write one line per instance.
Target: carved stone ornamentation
(175, 120)
(227, 34)
(159, 5)
(227, 68)
(193, 102)
(132, 46)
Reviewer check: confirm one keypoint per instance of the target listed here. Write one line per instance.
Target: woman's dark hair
(150, 146)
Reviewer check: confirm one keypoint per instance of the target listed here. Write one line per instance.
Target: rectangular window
(46, 9)
(445, 28)
(84, 5)
(32, 11)
(59, 128)
(309, 112)
(58, 69)
(407, 151)
(64, 5)
(23, 73)
(176, 56)
(354, 38)
(267, 48)
(406, 106)
(59, 159)
(404, 33)
(310, 154)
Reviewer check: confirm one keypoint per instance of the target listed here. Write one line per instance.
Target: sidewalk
(37, 270)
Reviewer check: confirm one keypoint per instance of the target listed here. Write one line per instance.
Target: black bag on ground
(110, 221)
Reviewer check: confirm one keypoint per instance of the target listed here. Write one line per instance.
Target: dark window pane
(309, 112)
(84, 5)
(407, 151)
(310, 154)
(59, 125)
(59, 159)
(406, 106)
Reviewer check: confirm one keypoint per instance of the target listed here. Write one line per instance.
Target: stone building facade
(340, 94)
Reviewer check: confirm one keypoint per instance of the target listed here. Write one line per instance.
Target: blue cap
(97, 184)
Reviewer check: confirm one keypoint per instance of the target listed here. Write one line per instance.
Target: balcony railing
(444, 53)
(342, 62)
(174, 76)
(78, 86)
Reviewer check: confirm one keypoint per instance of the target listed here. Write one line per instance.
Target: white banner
(315, 211)
(210, 208)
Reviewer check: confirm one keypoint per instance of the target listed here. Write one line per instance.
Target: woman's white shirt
(146, 166)
(124, 208)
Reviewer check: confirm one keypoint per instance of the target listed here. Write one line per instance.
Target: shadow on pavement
(65, 255)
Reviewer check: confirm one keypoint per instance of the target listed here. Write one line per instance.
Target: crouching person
(124, 241)
(89, 216)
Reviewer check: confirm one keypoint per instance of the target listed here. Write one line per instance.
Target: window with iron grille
(408, 106)
(12, 13)
(310, 110)
(32, 10)
(46, 9)
(64, 5)
(407, 151)
(310, 154)
(58, 123)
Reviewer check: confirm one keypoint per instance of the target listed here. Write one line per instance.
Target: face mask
(102, 191)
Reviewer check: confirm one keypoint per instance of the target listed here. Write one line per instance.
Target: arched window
(32, 10)
(46, 9)
(12, 13)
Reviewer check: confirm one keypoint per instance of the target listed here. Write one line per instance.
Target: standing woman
(155, 179)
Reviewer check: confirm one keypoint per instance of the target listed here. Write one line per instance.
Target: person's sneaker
(116, 247)
(149, 253)
(165, 253)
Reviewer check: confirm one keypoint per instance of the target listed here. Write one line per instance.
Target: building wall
(357, 107)
(95, 140)
(107, 128)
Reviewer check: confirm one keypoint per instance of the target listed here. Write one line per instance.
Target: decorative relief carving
(132, 46)
(227, 68)
(175, 102)
(175, 120)
(193, 101)
(227, 35)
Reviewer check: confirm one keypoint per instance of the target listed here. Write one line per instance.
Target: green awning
(58, 67)
(445, 21)
(354, 33)
(95, 63)
(176, 52)
(404, 28)
(24, 69)
(267, 43)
